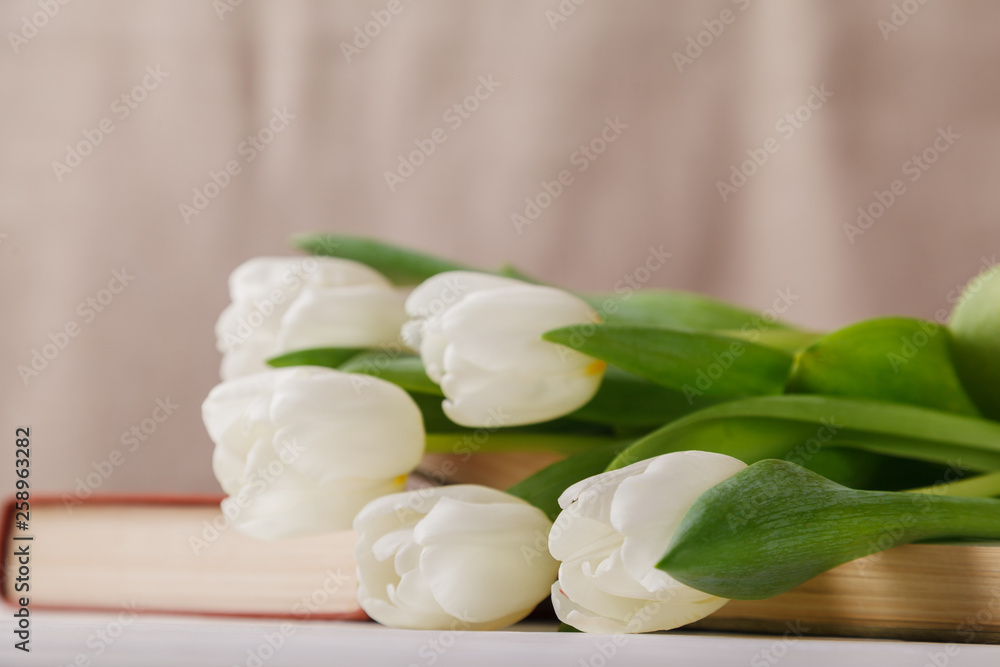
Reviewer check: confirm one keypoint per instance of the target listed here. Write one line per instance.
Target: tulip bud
(300, 450)
(281, 304)
(975, 339)
(480, 339)
(774, 525)
(461, 557)
(612, 532)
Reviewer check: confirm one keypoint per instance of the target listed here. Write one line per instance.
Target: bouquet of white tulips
(710, 453)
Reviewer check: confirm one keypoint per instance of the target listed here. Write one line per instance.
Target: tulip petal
(573, 614)
(597, 490)
(299, 510)
(342, 429)
(577, 583)
(479, 337)
(475, 583)
(574, 536)
(475, 395)
(387, 613)
(228, 468)
(386, 546)
(611, 577)
(500, 328)
(406, 508)
(483, 523)
(648, 508)
(281, 304)
(672, 613)
(227, 403)
(475, 560)
(355, 316)
(408, 557)
(413, 594)
(433, 346)
(374, 576)
(258, 277)
(431, 298)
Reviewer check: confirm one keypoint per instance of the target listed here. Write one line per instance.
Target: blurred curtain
(147, 147)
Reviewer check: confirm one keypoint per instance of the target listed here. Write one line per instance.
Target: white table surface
(59, 639)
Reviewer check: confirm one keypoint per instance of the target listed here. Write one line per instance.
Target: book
(922, 592)
(174, 555)
(179, 555)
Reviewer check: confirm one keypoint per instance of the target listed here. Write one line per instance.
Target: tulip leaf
(625, 399)
(795, 427)
(975, 329)
(329, 357)
(679, 310)
(400, 265)
(789, 340)
(544, 487)
(891, 359)
(406, 370)
(700, 365)
(775, 525)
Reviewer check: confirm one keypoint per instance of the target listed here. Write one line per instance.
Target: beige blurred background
(892, 76)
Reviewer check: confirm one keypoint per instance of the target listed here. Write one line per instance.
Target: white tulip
(613, 530)
(282, 304)
(480, 338)
(300, 450)
(461, 557)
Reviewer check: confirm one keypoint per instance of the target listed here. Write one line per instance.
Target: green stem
(500, 441)
(953, 517)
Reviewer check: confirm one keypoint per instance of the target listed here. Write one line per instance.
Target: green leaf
(789, 340)
(400, 265)
(696, 364)
(329, 357)
(544, 487)
(627, 400)
(890, 359)
(975, 328)
(796, 427)
(406, 370)
(677, 309)
(775, 525)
